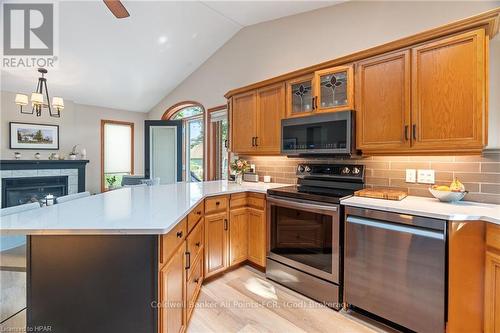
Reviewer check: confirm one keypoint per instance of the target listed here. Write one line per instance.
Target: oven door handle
(395, 227)
(300, 204)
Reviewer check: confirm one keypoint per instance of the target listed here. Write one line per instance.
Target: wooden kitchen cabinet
(257, 236)
(334, 89)
(243, 122)
(448, 93)
(492, 292)
(492, 280)
(270, 111)
(238, 235)
(172, 288)
(216, 243)
(256, 120)
(300, 96)
(383, 102)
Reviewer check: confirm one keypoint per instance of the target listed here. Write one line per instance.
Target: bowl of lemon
(452, 193)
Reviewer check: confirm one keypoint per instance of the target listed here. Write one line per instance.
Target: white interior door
(163, 153)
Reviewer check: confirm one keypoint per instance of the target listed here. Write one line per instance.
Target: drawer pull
(217, 203)
(179, 234)
(198, 212)
(197, 244)
(196, 280)
(188, 260)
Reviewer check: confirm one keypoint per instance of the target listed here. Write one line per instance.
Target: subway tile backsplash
(480, 174)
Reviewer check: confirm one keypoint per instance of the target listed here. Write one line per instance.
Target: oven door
(304, 235)
(320, 134)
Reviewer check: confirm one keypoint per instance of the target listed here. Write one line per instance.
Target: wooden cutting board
(382, 193)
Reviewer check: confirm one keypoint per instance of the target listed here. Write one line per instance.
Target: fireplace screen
(18, 191)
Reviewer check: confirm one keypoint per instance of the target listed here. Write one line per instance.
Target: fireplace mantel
(17, 165)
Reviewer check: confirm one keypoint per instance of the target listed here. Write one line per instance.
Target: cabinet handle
(414, 131)
(225, 224)
(256, 144)
(198, 212)
(315, 102)
(197, 244)
(253, 141)
(188, 260)
(179, 234)
(406, 132)
(196, 280)
(217, 203)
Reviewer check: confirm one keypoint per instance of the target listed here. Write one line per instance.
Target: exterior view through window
(117, 152)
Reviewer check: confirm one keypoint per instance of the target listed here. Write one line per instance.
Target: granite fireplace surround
(39, 169)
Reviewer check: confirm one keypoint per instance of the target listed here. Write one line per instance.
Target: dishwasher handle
(395, 227)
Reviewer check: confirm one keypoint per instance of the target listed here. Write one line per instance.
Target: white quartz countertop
(430, 207)
(136, 210)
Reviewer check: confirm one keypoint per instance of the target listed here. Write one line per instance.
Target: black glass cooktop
(313, 194)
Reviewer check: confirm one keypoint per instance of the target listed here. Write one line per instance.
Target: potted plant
(239, 166)
(111, 180)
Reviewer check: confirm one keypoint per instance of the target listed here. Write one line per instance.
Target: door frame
(211, 141)
(157, 123)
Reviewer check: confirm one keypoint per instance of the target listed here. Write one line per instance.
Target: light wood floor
(245, 301)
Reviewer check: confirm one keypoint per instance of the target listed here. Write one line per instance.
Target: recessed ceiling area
(132, 63)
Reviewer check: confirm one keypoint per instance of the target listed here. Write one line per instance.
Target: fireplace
(18, 191)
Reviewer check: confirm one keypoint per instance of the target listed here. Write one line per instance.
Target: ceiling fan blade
(117, 8)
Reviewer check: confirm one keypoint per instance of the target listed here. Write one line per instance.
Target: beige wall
(268, 49)
(79, 124)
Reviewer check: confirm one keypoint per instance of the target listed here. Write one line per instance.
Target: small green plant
(111, 180)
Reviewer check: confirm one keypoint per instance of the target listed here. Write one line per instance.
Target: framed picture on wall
(33, 136)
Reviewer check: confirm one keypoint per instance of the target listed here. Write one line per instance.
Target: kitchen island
(93, 264)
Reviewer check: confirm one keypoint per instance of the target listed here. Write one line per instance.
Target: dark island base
(103, 283)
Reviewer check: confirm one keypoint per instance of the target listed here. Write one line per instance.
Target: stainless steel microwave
(324, 134)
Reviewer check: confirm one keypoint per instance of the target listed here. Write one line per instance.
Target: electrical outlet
(411, 175)
(425, 176)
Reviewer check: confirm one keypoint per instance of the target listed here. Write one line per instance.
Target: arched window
(192, 115)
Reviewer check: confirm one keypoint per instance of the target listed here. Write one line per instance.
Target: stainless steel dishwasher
(395, 267)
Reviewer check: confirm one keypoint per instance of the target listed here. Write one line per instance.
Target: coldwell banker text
(29, 35)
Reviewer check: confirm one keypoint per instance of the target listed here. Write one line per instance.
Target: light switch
(425, 176)
(411, 175)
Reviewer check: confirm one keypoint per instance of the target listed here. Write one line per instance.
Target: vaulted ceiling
(133, 63)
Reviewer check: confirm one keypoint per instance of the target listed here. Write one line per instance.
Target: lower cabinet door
(238, 236)
(194, 285)
(492, 293)
(257, 236)
(172, 302)
(216, 243)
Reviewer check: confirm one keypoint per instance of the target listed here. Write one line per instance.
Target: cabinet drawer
(256, 202)
(215, 204)
(238, 200)
(195, 215)
(195, 244)
(170, 241)
(194, 285)
(493, 235)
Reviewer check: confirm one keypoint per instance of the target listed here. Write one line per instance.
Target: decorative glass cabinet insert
(302, 97)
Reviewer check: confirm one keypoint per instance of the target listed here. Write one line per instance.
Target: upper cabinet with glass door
(300, 96)
(334, 88)
(326, 90)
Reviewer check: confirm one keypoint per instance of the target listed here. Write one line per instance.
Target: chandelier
(37, 99)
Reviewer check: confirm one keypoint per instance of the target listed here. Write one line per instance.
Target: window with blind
(117, 152)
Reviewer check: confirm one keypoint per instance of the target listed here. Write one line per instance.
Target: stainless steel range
(305, 224)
